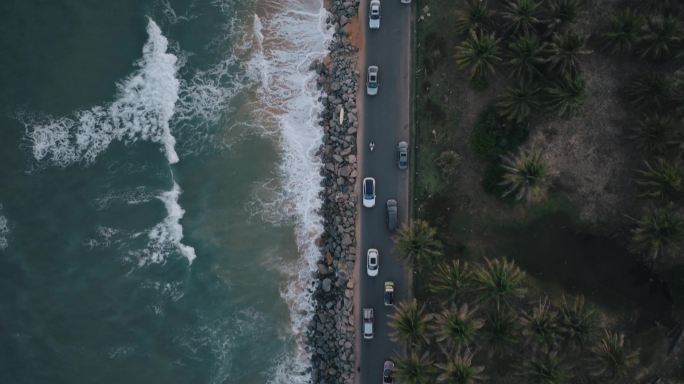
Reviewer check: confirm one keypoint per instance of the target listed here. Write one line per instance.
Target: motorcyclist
(371, 145)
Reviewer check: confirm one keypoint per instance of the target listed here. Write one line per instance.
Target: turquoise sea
(158, 190)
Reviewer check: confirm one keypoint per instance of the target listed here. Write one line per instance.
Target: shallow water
(150, 230)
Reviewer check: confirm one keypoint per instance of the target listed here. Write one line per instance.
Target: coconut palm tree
(410, 324)
(578, 322)
(498, 281)
(567, 96)
(418, 244)
(457, 327)
(450, 281)
(545, 368)
(459, 369)
(562, 12)
(661, 37)
(650, 92)
(526, 57)
(525, 176)
(479, 54)
(415, 368)
(540, 325)
(564, 52)
(500, 331)
(517, 103)
(662, 180)
(658, 233)
(474, 15)
(521, 15)
(655, 134)
(611, 360)
(623, 31)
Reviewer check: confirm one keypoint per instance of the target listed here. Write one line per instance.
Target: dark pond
(600, 268)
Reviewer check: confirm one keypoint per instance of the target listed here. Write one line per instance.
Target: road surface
(385, 120)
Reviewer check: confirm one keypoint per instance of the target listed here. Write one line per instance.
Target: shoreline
(331, 333)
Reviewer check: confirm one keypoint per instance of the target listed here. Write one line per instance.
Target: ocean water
(158, 190)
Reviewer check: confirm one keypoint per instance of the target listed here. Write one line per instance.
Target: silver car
(372, 80)
(402, 155)
(374, 14)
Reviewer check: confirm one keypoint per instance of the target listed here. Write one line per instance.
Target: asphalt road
(385, 120)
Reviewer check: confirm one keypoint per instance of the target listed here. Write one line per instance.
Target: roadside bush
(494, 136)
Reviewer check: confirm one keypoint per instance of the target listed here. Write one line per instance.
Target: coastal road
(385, 120)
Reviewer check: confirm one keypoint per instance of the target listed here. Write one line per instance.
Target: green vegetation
(525, 176)
(479, 53)
(418, 244)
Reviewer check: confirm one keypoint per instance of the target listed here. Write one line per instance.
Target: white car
(372, 80)
(405, 1)
(369, 192)
(374, 15)
(373, 262)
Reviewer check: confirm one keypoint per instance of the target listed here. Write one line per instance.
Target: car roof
(391, 202)
(402, 144)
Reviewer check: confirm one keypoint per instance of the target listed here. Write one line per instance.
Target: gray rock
(326, 284)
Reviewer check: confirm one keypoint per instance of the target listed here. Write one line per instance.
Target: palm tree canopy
(567, 96)
(611, 359)
(499, 281)
(526, 57)
(418, 244)
(655, 134)
(522, 15)
(410, 323)
(540, 324)
(501, 330)
(517, 103)
(451, 280)
(623, 31)
(415, 368)
(474, 15)
(651, 92)
(662, 180)
(661, 37)
(562, 12)
(658, 232)
(578, 321)
(479, 53)
(545, 368)
(565, 50)
(525, 176)
(457, 327)
(459, 369)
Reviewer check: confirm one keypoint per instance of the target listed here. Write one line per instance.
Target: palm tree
(567, 96)
(451, 280)
(655, 134)
(562, 12)
(540, 324)
(565, 50)
(418, 244)
(459, 369)
(611, 360)
(500, 331)
(456, 327)
(578, 322)
(517, 103)
(448, 162)
(479, 53)
(521, 15)
(525, 176)
(410, 324)
(475, 15)
(623, 31)
(651, 92)
(498, 281)
(526, 56)
(662, 180)
(658, 233)
(661, 37)
(545, 368)
(415, 368)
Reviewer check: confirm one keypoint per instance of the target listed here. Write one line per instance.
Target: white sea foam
(167, 235)
(142, 110)
(4, 231)
(288, 38)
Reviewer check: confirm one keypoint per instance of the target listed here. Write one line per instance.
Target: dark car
(388, 297)
(391, 214)
(402, 155)
(387, 372)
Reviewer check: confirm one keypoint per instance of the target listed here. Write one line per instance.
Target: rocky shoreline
(331, 333)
